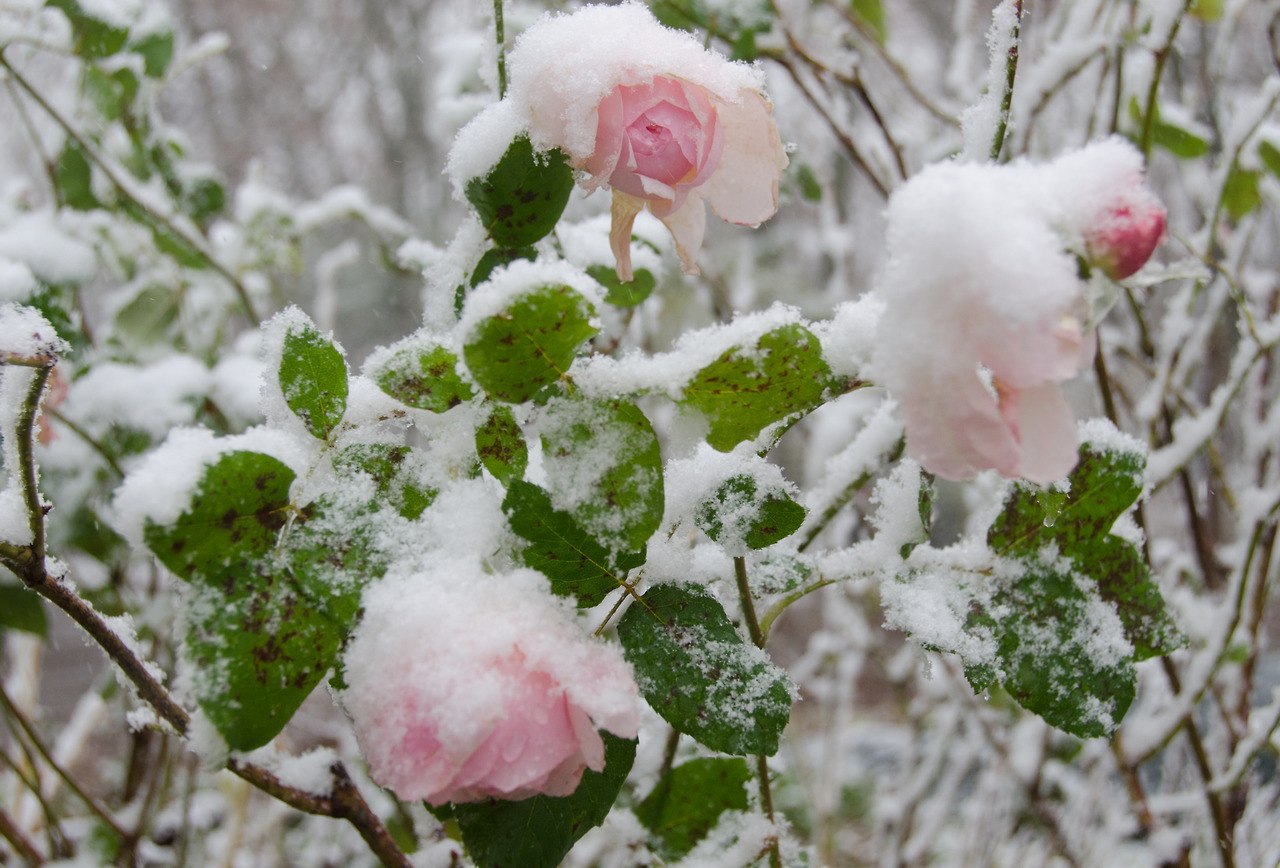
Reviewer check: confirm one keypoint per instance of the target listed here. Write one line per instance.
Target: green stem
(1162, 56)
(1010, 73)
(500, 42)
(762, 761)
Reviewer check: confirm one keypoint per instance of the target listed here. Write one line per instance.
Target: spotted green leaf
(530, 344)
(748, 389)
(700, 675)
(522, 197)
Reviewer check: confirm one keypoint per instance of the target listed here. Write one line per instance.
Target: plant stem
(500, 43)
(762, 761)
(1010, 73)
(10, 832)
(748, 606)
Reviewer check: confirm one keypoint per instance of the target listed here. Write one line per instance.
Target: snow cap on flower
(647, 111)
(464, 686)
(985, 312)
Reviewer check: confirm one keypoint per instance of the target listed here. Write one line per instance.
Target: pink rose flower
(985, 314)
(471, 686)
(648, 112)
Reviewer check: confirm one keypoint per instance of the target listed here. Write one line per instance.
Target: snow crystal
(38, 240)
(849, 336)
(310, 772)
(481, 144)
(16, 281)
(152, 398)
(26, 334)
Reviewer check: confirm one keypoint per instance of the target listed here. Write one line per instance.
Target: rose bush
(501, 699)
(651, 114)
(985, 310)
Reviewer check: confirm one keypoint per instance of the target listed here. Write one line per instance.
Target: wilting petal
(744, 188)
(1048, 434)
(688, 224)
(625, 208)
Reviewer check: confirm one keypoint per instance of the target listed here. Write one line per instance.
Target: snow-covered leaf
(700, 675)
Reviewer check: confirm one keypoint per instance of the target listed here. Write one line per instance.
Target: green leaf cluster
(1072, 567)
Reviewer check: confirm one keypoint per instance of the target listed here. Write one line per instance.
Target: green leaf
(871, 13)
(1240, 194)
(148, 315)
(313, 378)
(112, 94)
(1054, 662)
(810, 188)
(530, 344)
(738, 513)
(744, 391)
(576, 564)
(522, 197)
(157, 52)
(737, 25)
(74, 176)
(624, 294)
(501, 446)
(1270, 156)
(689, 799)
(203, 198)
(1048, 619)
(700, 675)
(22, 609)
(540, 831)
(602, 460)
(424, 375)
(258, 648)
(92, 37)
(258, 644)
(235, 516)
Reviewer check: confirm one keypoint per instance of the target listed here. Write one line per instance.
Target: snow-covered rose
(985, 312)
(650, 113)
(464, 686)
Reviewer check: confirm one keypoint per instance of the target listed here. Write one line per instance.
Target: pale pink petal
(1048, 430)
(687, 224)
(744, 188)
(955, 428)
(534, 738)
(624, 211)
(609, 134)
